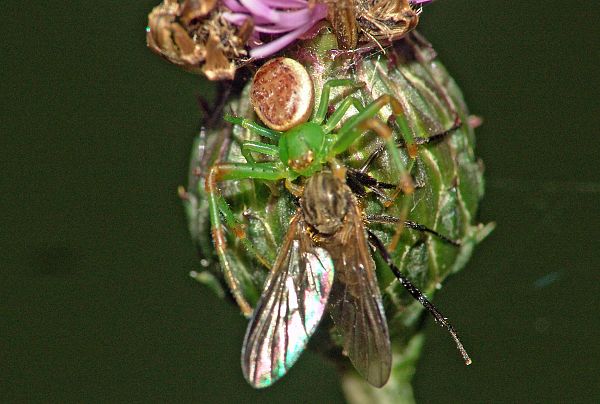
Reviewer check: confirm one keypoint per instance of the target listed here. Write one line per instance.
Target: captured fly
(325, 264)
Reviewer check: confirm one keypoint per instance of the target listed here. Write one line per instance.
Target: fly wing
(355, 302)
(290, 308)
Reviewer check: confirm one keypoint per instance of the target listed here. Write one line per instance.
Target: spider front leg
(253, 127)
(438, 137)
(263, 148)
(355, 126)
(341, 110)
(218, 206)
(325, 93)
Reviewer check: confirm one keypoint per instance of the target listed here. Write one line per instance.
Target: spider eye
(282, 94)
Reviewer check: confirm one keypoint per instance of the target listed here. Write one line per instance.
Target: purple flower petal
(288, 18)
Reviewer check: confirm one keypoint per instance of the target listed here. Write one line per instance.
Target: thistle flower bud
(447, 176)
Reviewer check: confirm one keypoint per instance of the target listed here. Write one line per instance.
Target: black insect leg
(411, 225)
(359, 182)
(438, 137)
(376, 244)
(365, 167)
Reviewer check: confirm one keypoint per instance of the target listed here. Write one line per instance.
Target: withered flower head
(194, 35)
(372, 21)
(214, 37)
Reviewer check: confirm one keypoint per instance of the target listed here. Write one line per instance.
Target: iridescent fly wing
(355, 302)
(290, 308)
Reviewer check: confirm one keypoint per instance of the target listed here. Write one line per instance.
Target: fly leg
(359, 182)
(412, 225)
(377, 245)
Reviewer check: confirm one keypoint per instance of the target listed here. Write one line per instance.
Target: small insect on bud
(282, 94)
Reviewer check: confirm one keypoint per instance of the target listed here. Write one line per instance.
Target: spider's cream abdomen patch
(282, 94)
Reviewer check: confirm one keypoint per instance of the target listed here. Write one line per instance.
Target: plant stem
(398, 390)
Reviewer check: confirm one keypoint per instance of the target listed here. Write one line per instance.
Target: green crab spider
(301, 151)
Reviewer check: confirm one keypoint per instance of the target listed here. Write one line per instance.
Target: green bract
(447, 174)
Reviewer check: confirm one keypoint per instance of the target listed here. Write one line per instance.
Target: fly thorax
(324, 202)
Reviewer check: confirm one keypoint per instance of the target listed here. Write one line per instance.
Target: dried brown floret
(370, 21)
(194, 10)
(194, 35)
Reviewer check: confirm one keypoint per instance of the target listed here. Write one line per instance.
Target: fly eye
(282, 94)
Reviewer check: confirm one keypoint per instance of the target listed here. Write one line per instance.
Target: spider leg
(218, 206)
(438, 137)
(406, 183)
(258, 147)
(325, 93)
(341, 110)
(363, 121)
(253, 127)
(356, 125)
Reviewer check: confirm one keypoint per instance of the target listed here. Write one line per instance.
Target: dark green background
(96, 304)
